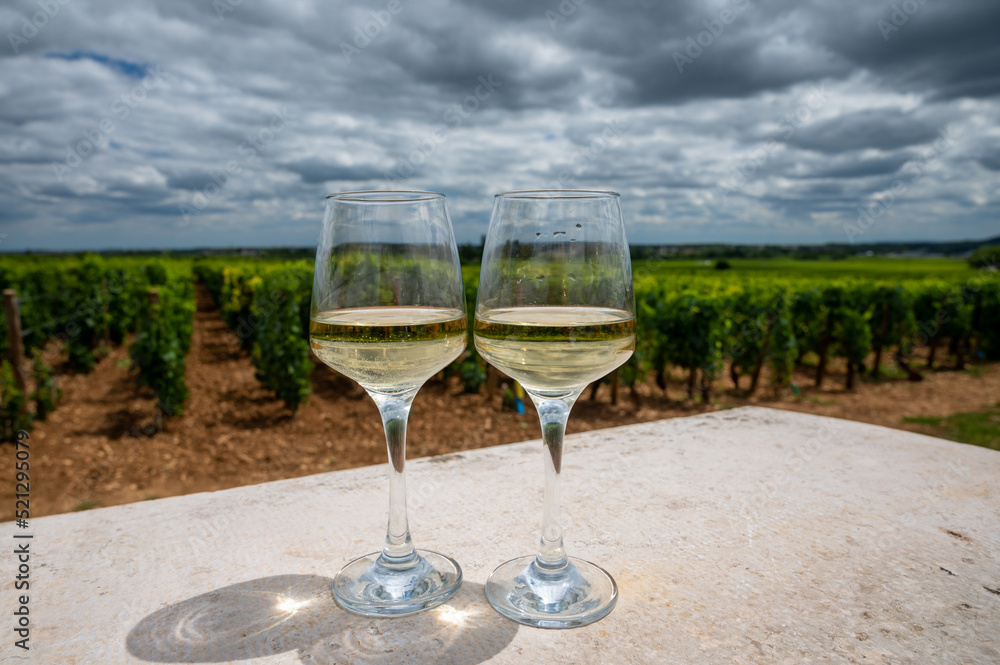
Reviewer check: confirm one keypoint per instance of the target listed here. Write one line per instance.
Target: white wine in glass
(550, 349)
(388, 310)
(389, 349)
(555, 311)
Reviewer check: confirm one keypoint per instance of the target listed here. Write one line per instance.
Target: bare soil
(101, 447)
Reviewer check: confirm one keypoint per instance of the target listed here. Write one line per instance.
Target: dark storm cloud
(879, 129)
(760, 120)
(990, 161)
(193, 179)
(861, 168)
(945, 50)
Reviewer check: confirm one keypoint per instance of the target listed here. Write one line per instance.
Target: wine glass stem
(398, 549)
(553, 414)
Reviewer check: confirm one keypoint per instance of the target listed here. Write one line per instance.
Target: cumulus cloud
(192, 123)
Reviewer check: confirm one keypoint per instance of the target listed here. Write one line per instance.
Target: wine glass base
(372, 586)
(573, 595)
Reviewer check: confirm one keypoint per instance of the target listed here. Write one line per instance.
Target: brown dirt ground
(100, 447)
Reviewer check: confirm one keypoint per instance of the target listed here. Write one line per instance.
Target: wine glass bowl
(388, 310)
(555, 311)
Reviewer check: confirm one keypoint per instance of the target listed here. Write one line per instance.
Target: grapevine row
(85, 305)
(698, 323)
(701, 325)
(267, 308)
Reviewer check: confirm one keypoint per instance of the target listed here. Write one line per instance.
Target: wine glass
(555, 311)
(388, 310)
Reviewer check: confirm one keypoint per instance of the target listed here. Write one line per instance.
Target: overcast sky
(195, 123)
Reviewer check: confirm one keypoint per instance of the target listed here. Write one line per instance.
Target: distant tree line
(977, 251)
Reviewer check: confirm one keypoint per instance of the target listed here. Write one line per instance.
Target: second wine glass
(388, 310)
(555, 311)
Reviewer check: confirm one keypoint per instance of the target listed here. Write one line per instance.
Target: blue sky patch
(134, 70)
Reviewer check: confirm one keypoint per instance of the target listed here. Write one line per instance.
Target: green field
(981, 428)
(873, 267)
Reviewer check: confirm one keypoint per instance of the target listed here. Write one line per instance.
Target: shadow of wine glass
(273, 615)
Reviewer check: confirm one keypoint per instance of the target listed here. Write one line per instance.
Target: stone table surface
(743, 536)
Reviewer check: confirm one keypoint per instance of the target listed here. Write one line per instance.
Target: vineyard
(705, 323)
(80, 308)
(701, 324)
(155, 376)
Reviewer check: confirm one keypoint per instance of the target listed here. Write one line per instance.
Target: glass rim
(557, 194)
(395, 196)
